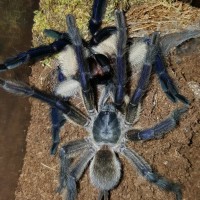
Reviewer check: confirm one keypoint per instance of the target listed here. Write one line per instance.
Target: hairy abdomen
(105, 169)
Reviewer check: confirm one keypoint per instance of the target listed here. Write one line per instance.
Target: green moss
(52, 15)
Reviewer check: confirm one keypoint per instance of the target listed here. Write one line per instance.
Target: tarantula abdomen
(105, 169)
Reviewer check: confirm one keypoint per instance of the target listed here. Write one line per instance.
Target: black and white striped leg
(158, 130)
(98, 10)
(34, 54)
(70, 175)
(166, 82)
(146, 171)
(143, 82)
(58, 121)
(120, 73)
(71, 112)
(84, 72)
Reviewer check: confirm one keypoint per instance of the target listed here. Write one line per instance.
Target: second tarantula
(109, 128)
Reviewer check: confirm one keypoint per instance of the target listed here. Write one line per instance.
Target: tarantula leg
(102, 35)
(84, 71)
(57, 118)
(58, 121)
(70, 111)
(103, 194)
(120, 60)
(74, 173)
(73, 147)
(67, 153)
(34, 54)
(166, 82)
(146, 171)
(98, 10)
(143, 82)
(65, 163)
(56, 34)
(158, 130)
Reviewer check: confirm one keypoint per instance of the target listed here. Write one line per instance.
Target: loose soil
(176, 156)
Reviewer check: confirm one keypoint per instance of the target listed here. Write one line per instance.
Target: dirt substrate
(176, 156)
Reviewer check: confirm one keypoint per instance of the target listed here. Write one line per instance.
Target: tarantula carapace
(103, 60)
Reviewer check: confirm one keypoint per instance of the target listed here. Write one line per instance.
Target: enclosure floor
(176, 156)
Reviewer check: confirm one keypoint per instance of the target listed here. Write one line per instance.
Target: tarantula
(100, 53)
(104, 59)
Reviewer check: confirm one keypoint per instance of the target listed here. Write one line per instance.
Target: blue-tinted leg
(67, 153)
(70, 175)
(146, 171)
(120, 60)
(132, 108)
(34, 54)
(102, 35)
(69, 110)
(98, 10)
(158, 130)
(143, 82)
(57, 118)
(56, 35)
(58, 121)
(84, 71)
(166, 82)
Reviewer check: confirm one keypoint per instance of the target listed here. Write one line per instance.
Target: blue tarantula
(103, 60)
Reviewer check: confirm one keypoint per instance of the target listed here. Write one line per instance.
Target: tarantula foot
(182, 99)
(54, 148)
(55, 34)
(171, 91)
(68, 184)
(14, 62)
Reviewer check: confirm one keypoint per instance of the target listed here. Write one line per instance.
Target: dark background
(15, 36)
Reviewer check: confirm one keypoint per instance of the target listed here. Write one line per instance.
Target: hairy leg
(146, 171)
(98, 10)
(70, 111)
(34, 54)
(143, 82)
(83, 66)
(120, 74)
(70, 174)
(158, 130)
(58, 121)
